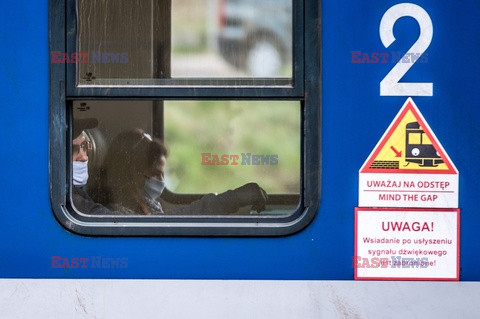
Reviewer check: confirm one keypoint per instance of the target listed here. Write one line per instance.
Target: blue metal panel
(355, 115)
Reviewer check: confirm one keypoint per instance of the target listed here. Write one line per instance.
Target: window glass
(209, 148)
(127, 41)
(249, 141)
(231, 38)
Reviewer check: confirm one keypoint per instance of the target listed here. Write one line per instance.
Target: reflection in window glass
(186, 157)
(123, 39)
(231, 38)
(147, 39)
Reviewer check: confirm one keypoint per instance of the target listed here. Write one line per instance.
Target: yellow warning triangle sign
(409, 146)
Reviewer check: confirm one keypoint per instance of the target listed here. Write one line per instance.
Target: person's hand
(252, 194)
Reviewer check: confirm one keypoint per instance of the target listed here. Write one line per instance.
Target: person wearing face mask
(132, 181)
(80, 147)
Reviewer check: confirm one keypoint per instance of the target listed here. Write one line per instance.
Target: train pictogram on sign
(409, 145)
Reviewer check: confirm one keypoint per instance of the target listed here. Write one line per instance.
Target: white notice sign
(408, 244)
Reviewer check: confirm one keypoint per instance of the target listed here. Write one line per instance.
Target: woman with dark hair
(132, 180)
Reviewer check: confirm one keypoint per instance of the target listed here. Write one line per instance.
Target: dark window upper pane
(129, 41)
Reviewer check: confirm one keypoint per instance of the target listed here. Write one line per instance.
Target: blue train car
(238, 159)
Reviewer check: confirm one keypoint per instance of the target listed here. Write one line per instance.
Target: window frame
(305, 87)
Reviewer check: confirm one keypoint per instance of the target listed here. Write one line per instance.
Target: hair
(131, 157)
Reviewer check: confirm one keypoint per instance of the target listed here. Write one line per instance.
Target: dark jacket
(86, 205)
(210, 204)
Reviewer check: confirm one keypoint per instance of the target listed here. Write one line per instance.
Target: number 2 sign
(391, 85)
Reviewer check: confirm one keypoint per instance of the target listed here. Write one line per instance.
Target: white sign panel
(408, 190)
(408, 244)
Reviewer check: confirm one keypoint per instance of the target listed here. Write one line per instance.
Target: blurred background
(232, 38)
(232, 127)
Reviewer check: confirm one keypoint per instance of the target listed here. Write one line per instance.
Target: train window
(185, 117)
(419, 138)
(147, 42)
(201, 159)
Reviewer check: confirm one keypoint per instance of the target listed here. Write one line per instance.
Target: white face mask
(80, 173)
(154, 187)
